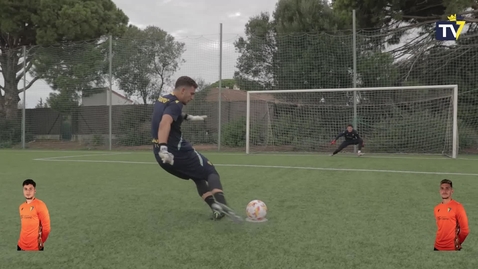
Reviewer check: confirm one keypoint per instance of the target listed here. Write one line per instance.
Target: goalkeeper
(177, 156)
(351, 138)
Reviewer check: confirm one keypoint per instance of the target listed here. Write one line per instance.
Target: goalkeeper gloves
(164, 154)
(194, 118)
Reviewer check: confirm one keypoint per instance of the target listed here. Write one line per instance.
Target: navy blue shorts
(188, 165)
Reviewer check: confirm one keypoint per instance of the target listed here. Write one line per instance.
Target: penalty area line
(279, 167)
(78, 156)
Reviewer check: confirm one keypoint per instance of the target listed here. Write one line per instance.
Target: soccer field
(120, 210)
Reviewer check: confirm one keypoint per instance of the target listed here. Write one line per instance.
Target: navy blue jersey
(170, 105)
(349, 135)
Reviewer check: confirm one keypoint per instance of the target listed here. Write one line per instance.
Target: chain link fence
(99, 94)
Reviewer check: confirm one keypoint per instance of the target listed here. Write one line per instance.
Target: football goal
(409, 119)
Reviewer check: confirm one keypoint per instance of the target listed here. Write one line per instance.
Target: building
(102, 99)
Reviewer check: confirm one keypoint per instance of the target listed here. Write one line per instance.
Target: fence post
(219, 90)
(24, 96)
(354, 82)
(110, 92)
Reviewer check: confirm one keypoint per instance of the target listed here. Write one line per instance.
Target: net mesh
(67, 103)
(389, 121)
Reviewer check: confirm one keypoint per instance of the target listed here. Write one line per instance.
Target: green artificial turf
(121, 210)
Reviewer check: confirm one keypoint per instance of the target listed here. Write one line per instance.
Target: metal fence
(68, 102)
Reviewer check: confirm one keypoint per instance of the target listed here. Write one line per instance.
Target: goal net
(418, 120)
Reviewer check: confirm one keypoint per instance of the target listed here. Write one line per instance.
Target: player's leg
(217, 191)
(201, 168)
(360, 144)
(341, 147)
(201, 185)
(171, 169)
(208, 197)
(185, 169)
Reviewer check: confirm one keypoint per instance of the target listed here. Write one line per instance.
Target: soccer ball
(256, 211)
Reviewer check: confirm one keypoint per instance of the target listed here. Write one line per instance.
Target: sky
(194, 22)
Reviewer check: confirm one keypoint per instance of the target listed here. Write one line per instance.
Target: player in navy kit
(351, 138)
(177, 156)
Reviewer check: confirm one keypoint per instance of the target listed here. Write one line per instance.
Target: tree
(392, 19)
(303, 46)
(202, 84)
(45, 23)
(145, 60)
(72, 70)
(428, 62)
(256, 63)
(295, 49)
(225, 83)
(41, 104)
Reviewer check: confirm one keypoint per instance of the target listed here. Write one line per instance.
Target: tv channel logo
(449, 30)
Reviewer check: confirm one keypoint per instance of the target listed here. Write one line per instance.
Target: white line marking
(279, 167)
(76, 156)
(283, 154)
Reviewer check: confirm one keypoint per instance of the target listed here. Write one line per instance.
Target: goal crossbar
(453, 87)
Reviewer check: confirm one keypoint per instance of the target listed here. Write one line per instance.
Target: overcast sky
(194, 22)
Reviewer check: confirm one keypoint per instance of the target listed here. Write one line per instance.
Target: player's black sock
(220, 198)
(209, 200)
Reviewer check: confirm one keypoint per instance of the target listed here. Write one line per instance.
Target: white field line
(284, 154)
(77, 156)
(275, 167)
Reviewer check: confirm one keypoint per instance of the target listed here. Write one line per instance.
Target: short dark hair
(29, 182)
(185, 81)
(350, 125)
(446, 181)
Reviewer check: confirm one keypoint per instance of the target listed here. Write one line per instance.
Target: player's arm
(463, 223)
(190, 117)
(170, 114)
(357, 134)
(44, 217)
(164, 129)
(340, 135)
(337, 137)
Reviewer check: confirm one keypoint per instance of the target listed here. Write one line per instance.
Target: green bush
(197, 132)
(66, 133)
(10, 131)
(135, 126)
(301, 127)
(234, 134)
(402, 132)
(467, 137)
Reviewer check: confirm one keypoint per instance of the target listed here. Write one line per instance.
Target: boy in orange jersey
(35, 220)
(451, 220)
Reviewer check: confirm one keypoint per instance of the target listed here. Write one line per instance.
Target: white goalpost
(408, 119)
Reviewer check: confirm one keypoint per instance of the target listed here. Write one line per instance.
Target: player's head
(185, 89)
(29, 189)
(446, 188)
(350, 127)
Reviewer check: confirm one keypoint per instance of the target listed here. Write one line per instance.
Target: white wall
(102, 99)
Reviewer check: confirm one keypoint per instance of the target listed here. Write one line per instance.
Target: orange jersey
(452, 224)
(35, 225)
